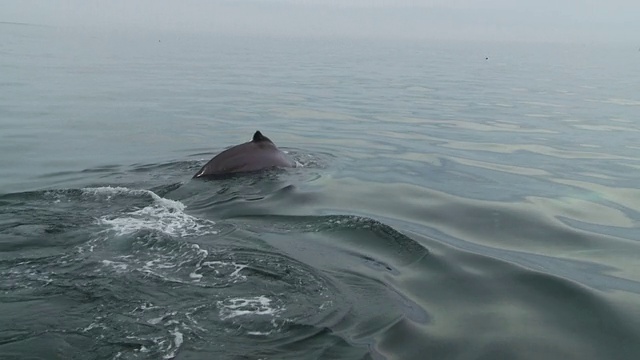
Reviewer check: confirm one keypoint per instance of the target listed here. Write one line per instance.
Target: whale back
(258, 154)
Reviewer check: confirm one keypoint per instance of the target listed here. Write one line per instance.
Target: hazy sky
(521, 20)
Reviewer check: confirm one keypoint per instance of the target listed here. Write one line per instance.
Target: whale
(258, 154)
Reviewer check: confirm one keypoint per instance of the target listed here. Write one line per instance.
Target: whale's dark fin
(258, 137)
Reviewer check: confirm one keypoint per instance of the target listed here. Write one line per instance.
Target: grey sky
(520, 20)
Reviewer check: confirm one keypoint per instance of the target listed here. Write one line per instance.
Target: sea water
(454, 200)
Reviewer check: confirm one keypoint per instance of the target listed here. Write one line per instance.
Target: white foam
(260, 333)
(164, 215)
(110, 191)
(118, 266)
(260, 305)
(167, 340)
(26, 276)
(94, 325)
(178, 338)
(156, 321)
(177, 341)
(217, 265)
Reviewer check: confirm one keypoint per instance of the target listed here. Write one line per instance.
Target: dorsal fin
(257, 137)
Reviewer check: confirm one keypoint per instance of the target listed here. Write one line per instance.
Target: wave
(161, 270)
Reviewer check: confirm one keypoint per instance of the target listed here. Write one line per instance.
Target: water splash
(162, 215)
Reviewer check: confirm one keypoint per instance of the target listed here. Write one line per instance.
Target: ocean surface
(452, 200)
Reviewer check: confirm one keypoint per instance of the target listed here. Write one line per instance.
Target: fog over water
(493, 20)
